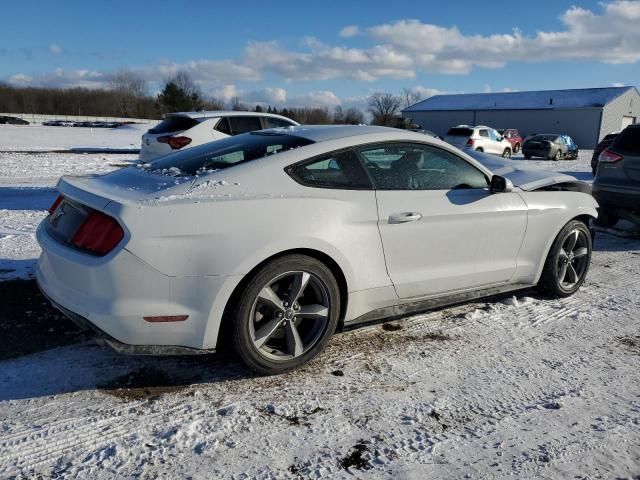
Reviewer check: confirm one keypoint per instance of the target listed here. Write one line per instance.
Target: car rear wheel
(516, 148)
(286, 314)
(506, 153)
(567, 263)
(480, 149)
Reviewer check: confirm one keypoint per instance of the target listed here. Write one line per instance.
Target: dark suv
(604, 143)
(617, 183)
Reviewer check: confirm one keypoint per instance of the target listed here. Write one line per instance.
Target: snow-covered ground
(518, 386)
(27, 190)
(41, 138)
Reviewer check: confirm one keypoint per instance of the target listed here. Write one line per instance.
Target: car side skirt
(423, 305)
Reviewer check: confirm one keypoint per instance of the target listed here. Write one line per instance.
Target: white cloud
(55, 49)
(401, 50)
(349, 31)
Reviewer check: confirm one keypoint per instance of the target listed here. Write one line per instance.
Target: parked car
(551, 146)
(7, 120)
(617, 182)
(513, 137)
(280, 237)
(572, 148)
(480, 138)
(189, 129)
(58, 123)
(604, 143)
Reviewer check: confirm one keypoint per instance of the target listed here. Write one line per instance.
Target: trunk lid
(128, 185)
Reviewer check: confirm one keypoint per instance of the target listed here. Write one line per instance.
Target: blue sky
(289, 52)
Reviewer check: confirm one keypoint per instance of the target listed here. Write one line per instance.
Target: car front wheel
(506, 153)
(286, 314)
(567, 263)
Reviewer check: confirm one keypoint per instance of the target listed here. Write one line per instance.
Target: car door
(496, 144)
(441, 228)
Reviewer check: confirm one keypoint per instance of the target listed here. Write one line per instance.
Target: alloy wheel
(573, 259)
(289, 315)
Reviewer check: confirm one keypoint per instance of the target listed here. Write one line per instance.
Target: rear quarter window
(459, 132)
(174, 124)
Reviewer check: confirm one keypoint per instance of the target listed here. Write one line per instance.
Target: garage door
(627, 120)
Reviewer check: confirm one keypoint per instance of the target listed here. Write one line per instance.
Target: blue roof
(545, 99)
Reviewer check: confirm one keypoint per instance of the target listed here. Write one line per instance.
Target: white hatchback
(187, 129)
(480, 139)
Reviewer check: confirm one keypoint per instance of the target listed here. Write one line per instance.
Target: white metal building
(586, 114)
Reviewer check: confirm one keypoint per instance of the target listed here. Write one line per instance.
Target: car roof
(224, 113)
(324, 133)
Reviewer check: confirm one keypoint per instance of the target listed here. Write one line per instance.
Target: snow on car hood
(524, 178)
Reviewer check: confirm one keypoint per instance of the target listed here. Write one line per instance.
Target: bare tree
(383, 108)
(409, 97)
(353, 116)
(238, 106)
(129, 90)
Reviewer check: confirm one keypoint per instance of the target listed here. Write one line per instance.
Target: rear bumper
(620, 197)
(111, 295)
(536, 152)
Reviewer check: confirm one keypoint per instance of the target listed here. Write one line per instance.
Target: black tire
(607, 218)
(506, 153)
(556, 156)
(527, 157)
(516, 148)
(245, 316)
(551, 283)
(480, 149)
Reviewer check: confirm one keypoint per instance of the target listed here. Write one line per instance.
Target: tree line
(127, 96)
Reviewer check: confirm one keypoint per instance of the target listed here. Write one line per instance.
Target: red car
(513, 137)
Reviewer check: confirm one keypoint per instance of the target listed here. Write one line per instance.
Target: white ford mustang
(273, 240)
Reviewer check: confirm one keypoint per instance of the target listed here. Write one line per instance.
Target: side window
(244, 124)
(276, 122)
(223, 126)
(484, 133)
(339, 170)
(419, 167)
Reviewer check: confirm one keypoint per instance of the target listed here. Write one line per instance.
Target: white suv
(479, 138)
(188, 129)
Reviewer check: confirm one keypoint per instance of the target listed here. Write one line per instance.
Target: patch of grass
(142, 384)
(356, 458)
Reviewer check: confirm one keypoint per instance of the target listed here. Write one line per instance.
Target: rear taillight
(609, 157)
(99, 234)
(55, 205)
(470, 142)
(175, 142)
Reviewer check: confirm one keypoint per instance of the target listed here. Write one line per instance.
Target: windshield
(225, 153)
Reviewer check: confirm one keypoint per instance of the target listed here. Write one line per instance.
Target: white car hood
(524, 178)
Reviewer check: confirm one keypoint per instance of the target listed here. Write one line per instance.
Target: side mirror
(500, 185)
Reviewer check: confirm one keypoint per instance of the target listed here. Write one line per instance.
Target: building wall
(583, 124)
(627, 104)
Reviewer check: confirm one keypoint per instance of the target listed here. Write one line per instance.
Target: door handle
(404, 217)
